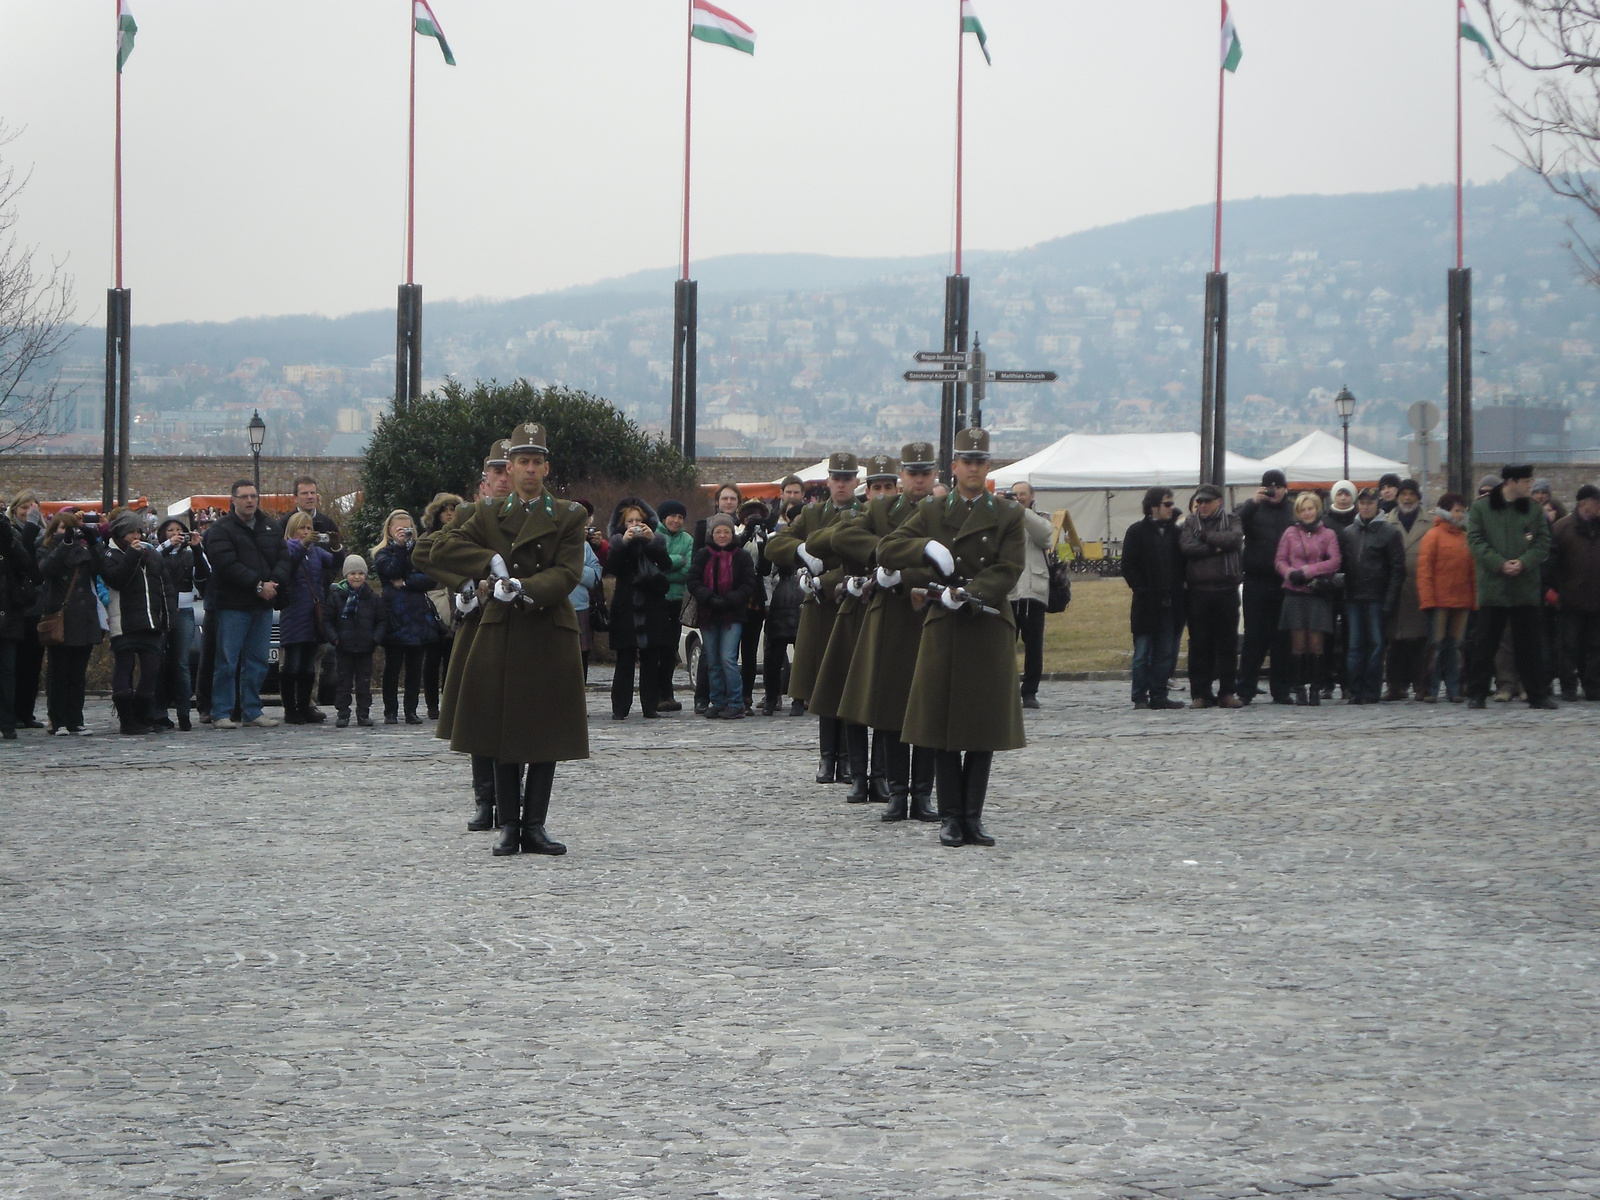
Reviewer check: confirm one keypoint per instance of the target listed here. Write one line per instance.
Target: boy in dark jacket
(353, 624)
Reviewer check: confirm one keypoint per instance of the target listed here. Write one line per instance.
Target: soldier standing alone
(787, 550)
(521, 698)
(964, 696)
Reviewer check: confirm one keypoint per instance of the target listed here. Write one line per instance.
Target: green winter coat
(817, 614)
(1499, 530)
(879, 682)
(520, 693)
(466, 627)
(680, 549)
(841, 649)
(964, 695)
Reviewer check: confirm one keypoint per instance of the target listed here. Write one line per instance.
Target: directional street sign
(1021, 376)
(941, 356)
(936, 377)
(980, 377)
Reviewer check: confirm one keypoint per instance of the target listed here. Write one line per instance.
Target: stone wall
(165, 478)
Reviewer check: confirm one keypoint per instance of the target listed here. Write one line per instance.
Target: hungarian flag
(427, 25)
(971, 24)
(1232, 51)
(722, 28)
(126, 28)
(1470, 32)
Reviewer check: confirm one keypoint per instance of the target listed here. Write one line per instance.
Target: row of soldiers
(906, 631)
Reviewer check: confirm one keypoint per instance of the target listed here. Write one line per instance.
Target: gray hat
(1544, 485)
(973, 443)
(354, 562)
(719, 519)
(126, 523)
(1488, 481)
(1207, 491)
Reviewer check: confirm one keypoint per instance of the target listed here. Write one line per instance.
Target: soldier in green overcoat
(821, 575)
(964, 695)
(521, 695)
(495, 484)
(879, 682)
(868, 780)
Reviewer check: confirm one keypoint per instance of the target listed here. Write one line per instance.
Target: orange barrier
(49, 508)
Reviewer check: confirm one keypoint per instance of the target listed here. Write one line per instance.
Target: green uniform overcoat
(817, 614)
(841, 648)
(422, 559)
(879, 682)
(520, 696)
(964, 695)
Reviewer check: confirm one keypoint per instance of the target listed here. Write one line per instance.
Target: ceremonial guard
(521, 697)
(495, 485)
(879, 682)
(819, 575)
(867, 779)
(964, 695)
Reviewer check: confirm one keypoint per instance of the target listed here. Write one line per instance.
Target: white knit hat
(354, 562)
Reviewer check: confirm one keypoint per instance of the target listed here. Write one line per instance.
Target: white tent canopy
(1101, 479)
(1319, 458)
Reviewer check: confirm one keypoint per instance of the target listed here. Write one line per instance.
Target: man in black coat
(308, 498)
(249, 567)
(1373, 559)
(1153, 567)
(19, 588)
(1263, 518)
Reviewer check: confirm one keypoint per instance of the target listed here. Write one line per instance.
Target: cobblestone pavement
(1333, 952)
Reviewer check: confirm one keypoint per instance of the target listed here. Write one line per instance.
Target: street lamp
(257, 429)
(1345, 405)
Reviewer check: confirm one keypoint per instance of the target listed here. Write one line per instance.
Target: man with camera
(249, 568)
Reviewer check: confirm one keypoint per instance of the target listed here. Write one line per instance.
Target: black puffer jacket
(243, 556)
(730, 606)
(1373, 559)
(1263, 525)
(354, 628)
(640, 614)
(58, 563)
(19, 583)
(140, 606)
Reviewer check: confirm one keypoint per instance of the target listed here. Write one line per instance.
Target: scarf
(719, 570)
(1408, 519)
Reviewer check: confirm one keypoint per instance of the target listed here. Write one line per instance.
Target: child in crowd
(353, 624)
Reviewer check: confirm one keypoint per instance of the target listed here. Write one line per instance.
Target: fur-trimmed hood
(1497, 500)
(614, 526)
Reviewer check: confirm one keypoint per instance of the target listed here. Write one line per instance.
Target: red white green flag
(126, 28)
(721, 28)
(427, 25)
(1232, 50)
(1471, 33)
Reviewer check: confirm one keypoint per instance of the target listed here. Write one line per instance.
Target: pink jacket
(1315, 552)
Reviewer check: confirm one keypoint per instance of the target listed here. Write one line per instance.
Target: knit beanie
(671, 508)
(1589, 492)
(1488, 481)
(719, 519)
(354, 562)
(1344, 485)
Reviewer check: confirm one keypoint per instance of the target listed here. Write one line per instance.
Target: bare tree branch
(36, 310)
(1557, 125)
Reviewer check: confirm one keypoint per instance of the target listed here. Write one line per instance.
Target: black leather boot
(508, 798)
(127, 722)
(309, 712)
(828, 740)
(855, 740)
(896, 773)
(144, 711)
(536, 807)
(877, 775)
(975, 786)
(922, 772)
(952, 800)
(289, 693)
(1314, 679)
(1297, 678)
(482, 794)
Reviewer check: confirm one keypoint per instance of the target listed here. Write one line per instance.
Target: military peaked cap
(528, 438)
(499, 454)
(918, 456)
(972, 443)
(842, 463)
(881, 466)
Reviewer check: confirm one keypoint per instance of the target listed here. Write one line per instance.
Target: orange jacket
(1447, 577)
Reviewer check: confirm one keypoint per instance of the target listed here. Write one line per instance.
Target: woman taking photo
(69, 562)
(642, 625)
(187, 570)
(1307, 552)
(139, 614)
(436, 519)
(300, 620)
(409, 615)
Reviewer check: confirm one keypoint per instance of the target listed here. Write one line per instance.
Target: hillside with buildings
(799, 353)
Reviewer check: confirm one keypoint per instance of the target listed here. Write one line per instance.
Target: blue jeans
(1364, 661)
(243, 641)
(1155, 657)
(176, 687)
(721, 650)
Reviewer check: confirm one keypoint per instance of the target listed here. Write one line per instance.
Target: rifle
(934, 593)
(868, 582)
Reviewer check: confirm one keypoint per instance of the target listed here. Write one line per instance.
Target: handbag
(689, 614)
(53, 626)
(599, 611)
(1060, 587)
(1329, 587)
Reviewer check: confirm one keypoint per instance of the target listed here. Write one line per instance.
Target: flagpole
(411, 154)
(688, 94)
(961, 70)
(1216, 236)
(1460, 257)
(117, 170)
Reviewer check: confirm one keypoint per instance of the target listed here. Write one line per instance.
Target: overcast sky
(264, 144)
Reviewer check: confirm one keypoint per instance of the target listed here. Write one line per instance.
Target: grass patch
(1093, 634)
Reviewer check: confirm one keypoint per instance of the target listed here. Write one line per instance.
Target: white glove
(812, 562)
(809, 584)
(497, 568)
(939, 555)
(855, 585)
(466, 598)
(888, 579)
(952, 599)
(507, 590)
